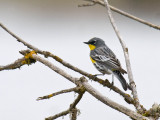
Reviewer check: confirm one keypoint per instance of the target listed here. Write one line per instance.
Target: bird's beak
(86, 43)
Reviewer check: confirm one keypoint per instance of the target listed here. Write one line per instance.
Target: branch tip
(75, 89)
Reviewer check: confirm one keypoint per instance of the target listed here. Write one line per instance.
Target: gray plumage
(106, 61)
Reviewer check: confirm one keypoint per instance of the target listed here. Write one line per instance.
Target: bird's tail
(123, 82)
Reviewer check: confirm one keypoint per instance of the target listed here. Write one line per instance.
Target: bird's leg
(98, 75)
(112, 81)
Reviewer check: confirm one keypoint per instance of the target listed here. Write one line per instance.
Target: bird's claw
(112, 84)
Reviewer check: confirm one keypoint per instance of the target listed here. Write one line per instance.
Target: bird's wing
(106, 57)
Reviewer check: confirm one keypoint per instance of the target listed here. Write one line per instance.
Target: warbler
(105, 60)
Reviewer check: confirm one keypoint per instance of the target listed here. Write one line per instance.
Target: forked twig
(101, 2)
(71, 109)
(75, 89)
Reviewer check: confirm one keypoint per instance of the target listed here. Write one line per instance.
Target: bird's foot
(94, 76)
(98, 75)
(112, 84)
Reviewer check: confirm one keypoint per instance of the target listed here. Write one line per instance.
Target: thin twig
(135, 18)
(87, 4)
(17, 64)
(73, 109)
(58, 115)
(72, 106)
(100, 2)
(74, 113)
(75, 89)
(126, 54)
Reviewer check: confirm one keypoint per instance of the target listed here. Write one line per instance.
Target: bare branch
(87, 4)
(111, 103)
(73, 109)
(135, 18)
(73, 113)
(75, 89)
(17, 64)
(70, 110)
(126, 54)
(100, 2)
(82, 83)
(58, 115)
(27, 59)
(73, 105)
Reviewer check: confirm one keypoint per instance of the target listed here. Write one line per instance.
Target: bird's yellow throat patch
(92, 47)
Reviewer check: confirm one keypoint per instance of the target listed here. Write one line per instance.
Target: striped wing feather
(106, 57)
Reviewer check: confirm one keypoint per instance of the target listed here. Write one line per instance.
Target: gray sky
(60, 27)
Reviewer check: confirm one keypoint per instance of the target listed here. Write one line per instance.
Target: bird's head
(94, 43)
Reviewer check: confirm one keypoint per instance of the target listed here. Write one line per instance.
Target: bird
(106, 61)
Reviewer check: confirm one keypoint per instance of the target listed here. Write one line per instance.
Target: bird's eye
(93, 42)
